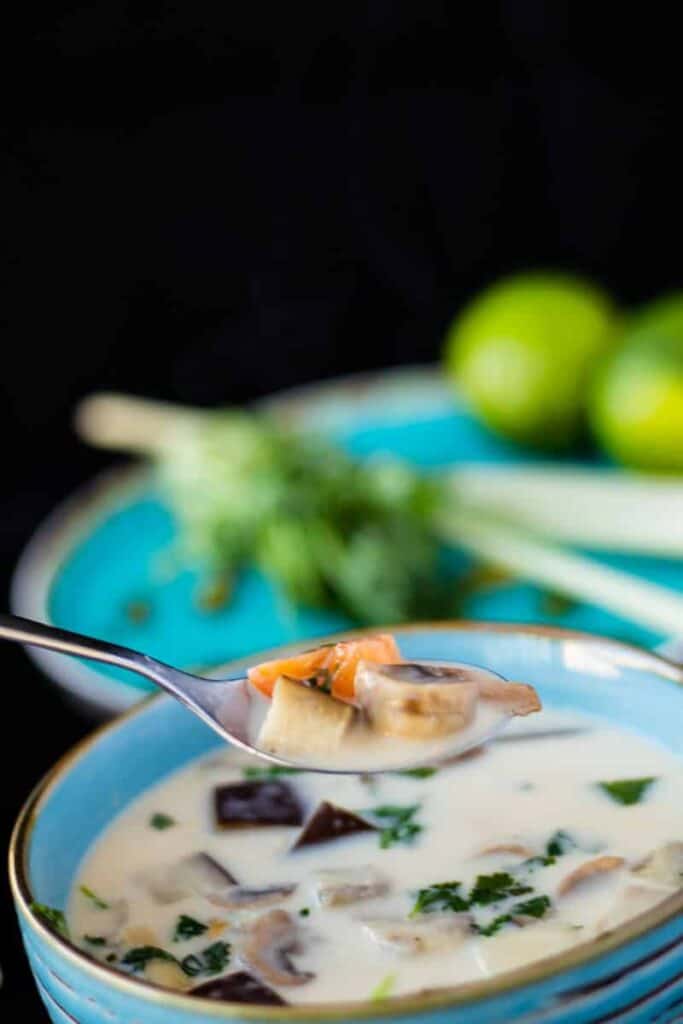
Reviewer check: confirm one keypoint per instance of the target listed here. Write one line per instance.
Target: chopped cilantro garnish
(559, 844)
(535, 907)
(418, 773)
(533, 863)
(94, 899)
(442, 896)
(111, 958)
(138, 957)
(211, 960)
(95, 940)
(161, 821)
(487, 889)
(491, 888)
(304, 912)
(53, 917)
(187, 927)
(627, 791)
(254, 772)
(399, 827)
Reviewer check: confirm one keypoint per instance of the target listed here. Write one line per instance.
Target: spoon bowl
(231, 706)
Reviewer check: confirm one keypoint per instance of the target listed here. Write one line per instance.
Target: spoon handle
(26, 631)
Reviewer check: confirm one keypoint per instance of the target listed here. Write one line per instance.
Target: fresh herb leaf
(304, 912)
(559, 844)
(441, 896)
(94, 899)
(627, 791)
(95, 940)
(418, 773)
(272, 772)
(384, 989)
(399, 827)
(534, 863)
(495, 887)
(537, 906)
(111, 958)
(53, 917)
(534, 907)
(187, 927)
(161, 821)
(211, 960)
(138, 957)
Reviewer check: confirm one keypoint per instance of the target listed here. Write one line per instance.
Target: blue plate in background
(107, 550)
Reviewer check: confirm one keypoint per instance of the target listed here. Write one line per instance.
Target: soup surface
(243, 882)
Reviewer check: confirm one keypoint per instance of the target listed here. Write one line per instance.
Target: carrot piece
(343, 659)
(336, 664)
(300, 666)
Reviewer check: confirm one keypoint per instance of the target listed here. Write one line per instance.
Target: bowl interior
(631, 687)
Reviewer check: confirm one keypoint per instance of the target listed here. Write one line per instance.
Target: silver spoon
(224, 704)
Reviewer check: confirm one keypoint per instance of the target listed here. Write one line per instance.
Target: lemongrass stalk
(509, 547)
(600, 508)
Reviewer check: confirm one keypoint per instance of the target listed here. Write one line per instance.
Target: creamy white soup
(239, 881)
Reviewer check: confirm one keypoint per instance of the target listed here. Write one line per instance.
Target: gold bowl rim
(424, 1001)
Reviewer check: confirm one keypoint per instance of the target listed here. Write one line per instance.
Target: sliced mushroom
(635, 899)
(168, 974)
(199, 874)
(664, 866)
(416, 701)
(429, 934)
(500, 849)
(240, 897)
(239, 987)
(267, 946)
(338, 887)
(515, 698)
(303, 720)
(108, 921)
(592, 869)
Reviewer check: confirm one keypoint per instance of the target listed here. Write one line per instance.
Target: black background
(208, 205)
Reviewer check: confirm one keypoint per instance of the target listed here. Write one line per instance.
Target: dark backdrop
(208, 206)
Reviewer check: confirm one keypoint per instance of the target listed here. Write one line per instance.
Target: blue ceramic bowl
(632, 974)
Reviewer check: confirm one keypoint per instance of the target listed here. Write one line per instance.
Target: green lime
(522, 353)
(637, 405)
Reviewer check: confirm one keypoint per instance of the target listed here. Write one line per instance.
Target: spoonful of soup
(349, 707)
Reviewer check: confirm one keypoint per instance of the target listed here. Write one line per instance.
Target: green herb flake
(211, 960)
(52, 917)
(384, 989)
(534, 863)
(492, 888)
(93, 897)
(161, 821)
(537, 906)
(399, 827)
(627, 791)
(138, 957)
(305, 912)
(442, 896)
(95, 940)
(111, 958)
(418, 773)
(272, 772)
(559, 844)
(187, 927)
